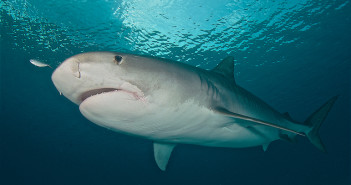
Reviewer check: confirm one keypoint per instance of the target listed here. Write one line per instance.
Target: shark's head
(120, 91)
(105, 85)
(92, 74)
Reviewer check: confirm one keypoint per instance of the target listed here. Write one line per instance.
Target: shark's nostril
(76, 69)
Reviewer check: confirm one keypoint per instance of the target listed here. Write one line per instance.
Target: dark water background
(295, 55)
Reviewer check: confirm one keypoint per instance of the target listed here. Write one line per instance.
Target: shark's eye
(118, 59)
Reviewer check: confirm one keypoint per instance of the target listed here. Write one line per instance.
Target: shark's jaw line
(135, 92)
(96, 92)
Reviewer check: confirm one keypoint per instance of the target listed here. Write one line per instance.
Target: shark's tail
(314, 122)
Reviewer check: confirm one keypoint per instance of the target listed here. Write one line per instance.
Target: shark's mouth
(130, 89)
(94, 92)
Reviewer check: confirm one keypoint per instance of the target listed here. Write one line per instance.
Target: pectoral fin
(247, 118)
(162, 152)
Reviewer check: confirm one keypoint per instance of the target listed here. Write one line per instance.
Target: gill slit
(209, 87)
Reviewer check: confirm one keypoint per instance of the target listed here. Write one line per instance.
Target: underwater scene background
(294, 55)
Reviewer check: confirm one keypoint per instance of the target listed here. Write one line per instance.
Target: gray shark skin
(173, 103)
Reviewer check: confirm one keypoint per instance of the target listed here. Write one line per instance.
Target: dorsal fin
(226, 68)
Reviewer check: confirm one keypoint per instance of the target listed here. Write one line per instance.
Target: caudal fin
(315, 120)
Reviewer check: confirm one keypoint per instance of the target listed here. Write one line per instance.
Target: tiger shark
(174, 103)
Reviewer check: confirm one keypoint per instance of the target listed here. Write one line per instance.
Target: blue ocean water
(293, 54)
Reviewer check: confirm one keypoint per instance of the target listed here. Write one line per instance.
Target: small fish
(38, 63)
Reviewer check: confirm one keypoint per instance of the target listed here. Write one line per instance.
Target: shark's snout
(88, 74)
(66, 78)
(68, 67)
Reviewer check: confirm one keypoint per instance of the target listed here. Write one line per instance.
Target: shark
(171, 103)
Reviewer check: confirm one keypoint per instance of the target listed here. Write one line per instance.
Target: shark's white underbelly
(186, 123)
(192, 124)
